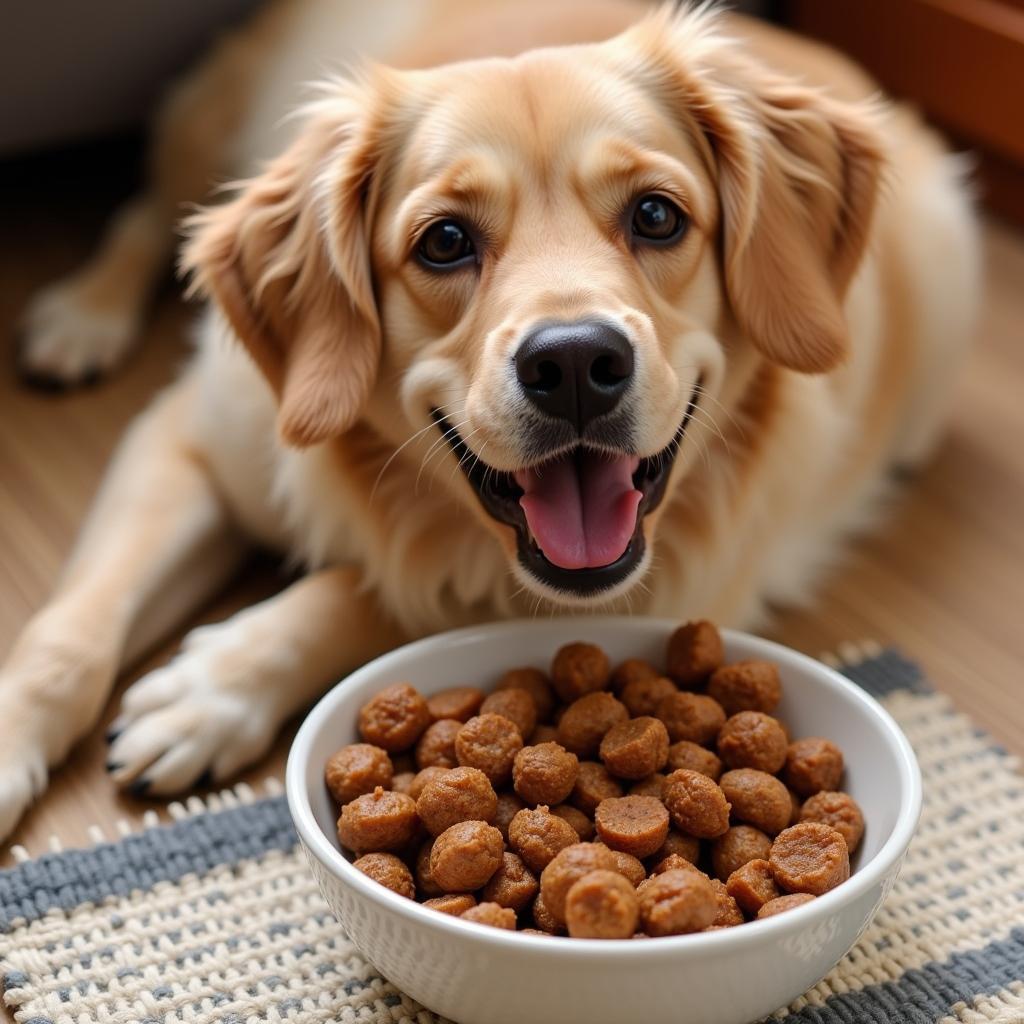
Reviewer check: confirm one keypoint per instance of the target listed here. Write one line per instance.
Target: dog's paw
(68, 340)
(23, 777)
(208, 713)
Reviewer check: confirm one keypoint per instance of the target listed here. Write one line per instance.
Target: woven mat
(215, 917)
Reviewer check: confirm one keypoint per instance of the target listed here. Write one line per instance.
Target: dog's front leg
(218, 705)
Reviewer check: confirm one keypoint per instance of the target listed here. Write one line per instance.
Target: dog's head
(557, 267)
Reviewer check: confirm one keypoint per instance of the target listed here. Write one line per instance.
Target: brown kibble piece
(436, 747)
(757, 799)
(566, 867)
(455, 904)
(813, 764)
(752, 885)
(687, 847)
(810, 857)
(690, 755)
(635, 749)
(696, 805)
(691, 716)
(509, 805)
(752, 739)
(579, 669)
(630, 671)
(423, 778)
(676, 903)
(585, 721)
(458, 702)
(629, 867)
(633, 824)
(388, 870)
(840, 811)
(459, 794)
(652, 785)
(642, 696)
(516, 704)
(747, 686)
(357, 769)
(376, 822)
(513, 885)
(694, 652)
(537, 836)
(583, 826)
(727, 911)
(544, 774)
(781, 904)
(536, 684)
(593, 784)
(425, 883)
(740, 845)
(543, 918)
(601, 905)
(490, 743)
(491, 914)
(543, 734)
(674, 862)
(464, 857)
(402, 782)
(395, 718)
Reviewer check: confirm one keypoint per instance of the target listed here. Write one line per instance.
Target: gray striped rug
(215, 917)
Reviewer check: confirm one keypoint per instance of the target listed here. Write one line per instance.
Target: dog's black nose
(575, 371)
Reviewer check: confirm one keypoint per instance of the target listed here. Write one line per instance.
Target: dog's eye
(444, 244)
(657, 219)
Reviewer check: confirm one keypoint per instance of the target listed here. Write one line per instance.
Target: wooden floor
(943, 579)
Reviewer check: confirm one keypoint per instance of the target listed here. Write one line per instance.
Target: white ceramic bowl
(479, 975)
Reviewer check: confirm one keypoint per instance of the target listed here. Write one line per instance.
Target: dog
(567, 305)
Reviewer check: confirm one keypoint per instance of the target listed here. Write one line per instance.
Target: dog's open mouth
(578, 516)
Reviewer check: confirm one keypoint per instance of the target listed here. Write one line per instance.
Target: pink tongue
(581, 509)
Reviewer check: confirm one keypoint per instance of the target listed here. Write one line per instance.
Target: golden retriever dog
(520, 320)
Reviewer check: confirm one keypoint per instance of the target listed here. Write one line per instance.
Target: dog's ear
(287, 261)
(798, 177)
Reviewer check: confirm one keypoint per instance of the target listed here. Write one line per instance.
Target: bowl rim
(869, 875)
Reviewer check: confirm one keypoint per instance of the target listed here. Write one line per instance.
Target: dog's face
(555, 267)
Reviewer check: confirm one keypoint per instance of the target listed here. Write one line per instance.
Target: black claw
(114, 766)
(205, 780)
(139, 787)
(112, 734)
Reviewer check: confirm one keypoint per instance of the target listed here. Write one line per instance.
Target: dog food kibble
(456, 794)
(513, 885)
(465, 856)
(740, 845)
(585, 722)
(694, 652)
(601, 905)
(642, 696)
(752, 885)
(516, 705)
(381, 821)
(691, 716)
(783, 903)
(746, 686)
(696, 805)
(687, 754)
(395, 718)
(636, 748)
(389, 871)
(579, 669)
(752, 739)
(633, 824)
(491, 914)
(436, 747)
(460, 703)
(677, 902)
(544, 774)
(490, 743)
(810, 857)
(840, 811)
(567, 867)
(813, 764)
(757, 799)
(590, 802)
(536, 684)
(594, 783)
(357, 769)
(583, 826)
(537, 836)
